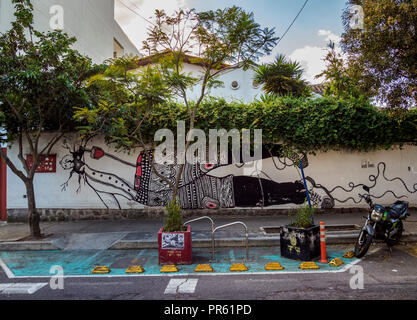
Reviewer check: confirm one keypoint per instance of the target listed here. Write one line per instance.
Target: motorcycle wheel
(362, 244)
(397, 236)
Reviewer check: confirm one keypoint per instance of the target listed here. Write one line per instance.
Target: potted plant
(300, 240)
(174, 240)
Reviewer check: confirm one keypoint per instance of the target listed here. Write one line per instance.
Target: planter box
(300, 244)
(175, 247)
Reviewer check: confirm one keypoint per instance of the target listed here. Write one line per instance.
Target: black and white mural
(209, 187)
(172, 241)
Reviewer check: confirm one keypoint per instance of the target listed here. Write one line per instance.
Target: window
(118, 50)
(235, 85)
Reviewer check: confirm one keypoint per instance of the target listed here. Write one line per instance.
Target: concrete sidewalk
(142, 234)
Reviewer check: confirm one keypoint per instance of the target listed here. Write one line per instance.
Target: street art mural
(353, 189)
(204, 186)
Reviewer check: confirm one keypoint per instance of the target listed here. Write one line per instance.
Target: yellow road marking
(169, 269)
(349, 255)
(273, 266)
(238, 267)
(308, 265)
(336, 262)
(204, 268)
(100, 269)
(135, 269)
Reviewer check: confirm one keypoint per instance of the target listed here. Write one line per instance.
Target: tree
(383, 55)
(41, 79)
(342, 81)
(122, 101)
(215, 40)
(221, 39)
(282, 77)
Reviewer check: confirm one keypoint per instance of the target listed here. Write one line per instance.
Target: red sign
(47, 163)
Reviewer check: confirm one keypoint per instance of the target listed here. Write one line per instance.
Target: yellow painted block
(135, 269)
(308, 265)
(238, 267)
(336, 262)
(169, 268)
(273, 266)
(349, 255)
(204, 268)
(100, 270)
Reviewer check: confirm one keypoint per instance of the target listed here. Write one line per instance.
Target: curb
(270, 241)
(27, 246)
(60, 214)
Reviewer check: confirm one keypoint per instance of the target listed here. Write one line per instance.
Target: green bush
(304, 124)
(174, 221)
(303, 217)
(308, 125)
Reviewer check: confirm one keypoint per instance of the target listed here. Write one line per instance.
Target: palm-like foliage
(283, 77)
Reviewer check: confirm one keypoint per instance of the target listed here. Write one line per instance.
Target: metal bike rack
(212, 226)
(229, 225)
(201, 218)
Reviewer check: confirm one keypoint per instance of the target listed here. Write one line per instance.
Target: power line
(292, 23)
(122, 3)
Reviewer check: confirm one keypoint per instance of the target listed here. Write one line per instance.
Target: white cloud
(312, 57)
(330, 36)
(312, 61)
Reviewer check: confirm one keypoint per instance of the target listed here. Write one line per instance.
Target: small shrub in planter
(174, 240)
(300, 240)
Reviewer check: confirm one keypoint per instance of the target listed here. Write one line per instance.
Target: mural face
(206, 186)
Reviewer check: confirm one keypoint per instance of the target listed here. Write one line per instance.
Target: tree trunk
(33, 215)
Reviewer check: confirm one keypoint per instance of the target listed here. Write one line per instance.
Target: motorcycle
(382, 223)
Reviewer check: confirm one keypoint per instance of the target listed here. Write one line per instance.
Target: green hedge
(308, 125)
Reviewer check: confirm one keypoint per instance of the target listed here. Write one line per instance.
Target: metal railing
(201, 218)
(229, 225)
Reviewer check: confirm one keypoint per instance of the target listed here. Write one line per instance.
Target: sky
(319, 22)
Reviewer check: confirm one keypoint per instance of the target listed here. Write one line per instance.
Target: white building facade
(238, 84)
(92, 22)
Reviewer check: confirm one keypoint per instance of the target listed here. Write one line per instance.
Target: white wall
(90, 21)
(340, 173)
(121, 37)
(48, 185)
(246, 92)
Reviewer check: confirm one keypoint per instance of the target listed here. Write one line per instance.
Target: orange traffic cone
(323, 244)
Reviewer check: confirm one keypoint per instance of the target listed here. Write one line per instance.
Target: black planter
(300, 244)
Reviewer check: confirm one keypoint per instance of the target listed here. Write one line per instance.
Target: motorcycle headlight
(376, 215)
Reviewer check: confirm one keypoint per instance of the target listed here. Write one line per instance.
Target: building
(238, 84)
(92, 22)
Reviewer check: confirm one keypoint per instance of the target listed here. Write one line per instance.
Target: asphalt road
(385, 276)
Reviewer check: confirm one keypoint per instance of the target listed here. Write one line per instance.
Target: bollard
(323, 244)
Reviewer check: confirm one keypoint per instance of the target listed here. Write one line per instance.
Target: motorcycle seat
(397, 209)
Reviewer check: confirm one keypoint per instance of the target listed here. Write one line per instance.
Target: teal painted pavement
(81, 262)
